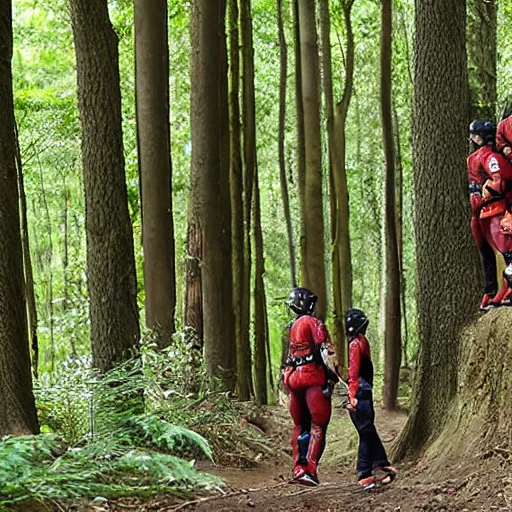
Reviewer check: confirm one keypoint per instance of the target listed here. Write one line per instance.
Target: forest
(170, 171)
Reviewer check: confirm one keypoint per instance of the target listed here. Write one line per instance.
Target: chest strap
(295, 362)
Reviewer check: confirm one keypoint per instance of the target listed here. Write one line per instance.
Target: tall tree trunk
(482, 53)
(153, 134)
(243, 348)
(301, 144)
(111, 275)
(337, 307)
(260, 320)
(225, 281)
(252, 197)
(17, 407)
(338, 162)
(30, 295)
(399, 233)
(392, 340)
(249, 149)
(49, 291)
(314, 220)
(207, 124)
(447, 261)
(193, 301)
(283, 71)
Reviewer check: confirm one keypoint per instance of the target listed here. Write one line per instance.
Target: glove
(486, 190)
(352, 404)
(474, 188)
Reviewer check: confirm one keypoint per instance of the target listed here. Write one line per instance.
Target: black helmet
(485, 128)
(355, 322)
(302, 301)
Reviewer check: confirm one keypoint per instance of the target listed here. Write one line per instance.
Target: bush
(121, 434)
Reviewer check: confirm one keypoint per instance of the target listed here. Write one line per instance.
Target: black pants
(488, 258)
(371, 453)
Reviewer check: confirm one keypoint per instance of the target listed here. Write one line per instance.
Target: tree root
(501, 452)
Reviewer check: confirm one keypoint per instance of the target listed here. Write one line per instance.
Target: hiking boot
(308, 479)
(298, 473)
(487, 303)
(507, 299)
(388, 474)
(497, 300)
(367, 483)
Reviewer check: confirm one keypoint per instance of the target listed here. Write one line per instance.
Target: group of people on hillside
(310, 373)
(311, 369)
(490, 189)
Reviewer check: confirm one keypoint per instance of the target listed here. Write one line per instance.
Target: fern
(156, 433)
(37, 467)
(126, 433)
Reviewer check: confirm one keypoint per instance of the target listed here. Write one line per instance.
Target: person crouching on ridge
(373, 467)
(309, 376)
(490, 177)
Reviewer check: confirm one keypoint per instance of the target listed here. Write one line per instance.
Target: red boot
(298, 473)
(507, 299)
(486, 303)
(496, 301)
(367, 483)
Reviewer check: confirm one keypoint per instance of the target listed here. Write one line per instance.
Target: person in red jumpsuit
(373, 467)
(309, 376)
(477, 177)
(490, 189)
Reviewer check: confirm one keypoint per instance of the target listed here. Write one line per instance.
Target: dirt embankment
(480, 419)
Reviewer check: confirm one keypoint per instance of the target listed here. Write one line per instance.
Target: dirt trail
(484, 484)
(266, 488)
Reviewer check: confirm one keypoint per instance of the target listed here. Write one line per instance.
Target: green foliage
(122, 434)
(504, 53)
(127, 433)
(44, 468)
(45, 101)
(63, 400)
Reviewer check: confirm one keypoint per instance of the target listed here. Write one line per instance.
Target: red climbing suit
(359, 364)
(305, 377)
(493, 173)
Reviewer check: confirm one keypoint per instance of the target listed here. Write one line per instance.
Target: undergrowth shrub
(113, 435)
(45, 468)
(132, 432)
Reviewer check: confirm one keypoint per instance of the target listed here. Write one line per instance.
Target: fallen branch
(213, 498)
(340, 487)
